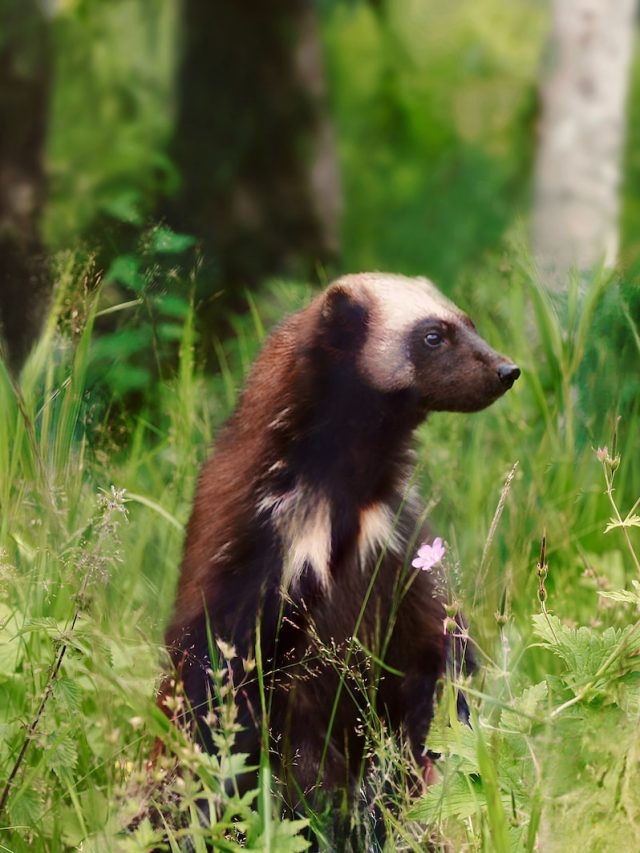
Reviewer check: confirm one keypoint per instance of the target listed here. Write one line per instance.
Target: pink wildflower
(429, 556)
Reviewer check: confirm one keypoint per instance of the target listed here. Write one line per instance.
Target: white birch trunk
(577, 199)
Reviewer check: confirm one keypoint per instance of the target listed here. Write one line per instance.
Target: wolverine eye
(433, 339)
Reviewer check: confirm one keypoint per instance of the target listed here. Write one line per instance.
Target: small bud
(228, 649)
(450, 626)
(542, 594)
(170, 703)
(451, 609)
(501, 618)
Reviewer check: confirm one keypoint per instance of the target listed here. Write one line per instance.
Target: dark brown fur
(310, 419)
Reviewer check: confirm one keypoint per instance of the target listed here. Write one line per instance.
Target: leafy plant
(153, 305)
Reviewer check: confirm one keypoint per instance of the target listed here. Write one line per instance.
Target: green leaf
(284, 837)
(622, 595)
(44, 625)
(519, 716)
(142, 840)
(627, 694)
(233, 765)
(169, 331)
(124, 207)
(629, 521)
(122, 344)
(459, 796)
(458, 742)
(61, 754)
(165, 241)
(495, 807)
(9, 642)
(550, 630)
(588, 654)
(125, 269)
(173, 305)
(25, 808)
(67, 694)
(124, 378)
(156, 507)
(534, 820)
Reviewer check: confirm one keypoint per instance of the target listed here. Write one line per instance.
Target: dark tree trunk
(253, 143)
(24, 103)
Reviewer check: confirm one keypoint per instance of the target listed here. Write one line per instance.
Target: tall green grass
(92, 514)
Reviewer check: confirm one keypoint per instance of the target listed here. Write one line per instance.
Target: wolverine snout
(508, 373)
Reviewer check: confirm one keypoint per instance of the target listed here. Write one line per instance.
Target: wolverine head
(405, 335)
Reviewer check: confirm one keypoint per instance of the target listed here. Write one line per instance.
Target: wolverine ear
(343, 320)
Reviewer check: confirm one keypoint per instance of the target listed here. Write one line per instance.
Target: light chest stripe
(377, 533)
(303, 523)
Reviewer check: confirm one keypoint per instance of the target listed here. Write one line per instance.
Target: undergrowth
(93, 507)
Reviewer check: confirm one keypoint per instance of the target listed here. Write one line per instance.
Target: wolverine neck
(336, 471)
(353, 442)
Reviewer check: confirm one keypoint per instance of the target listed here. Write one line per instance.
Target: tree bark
(576, 206)
(24, 104)
(253, 143)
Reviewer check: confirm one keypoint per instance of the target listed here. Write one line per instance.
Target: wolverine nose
(508, 374)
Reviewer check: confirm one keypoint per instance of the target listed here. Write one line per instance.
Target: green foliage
(142, 331)
(548, 750)
(110, 119)
(589, 656)
(434, 105)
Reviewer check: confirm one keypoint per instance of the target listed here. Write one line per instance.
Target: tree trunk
(24, 102)
(253, 143)
(576, 208)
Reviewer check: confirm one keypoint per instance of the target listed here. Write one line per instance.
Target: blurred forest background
(174, 178)
(216, 146)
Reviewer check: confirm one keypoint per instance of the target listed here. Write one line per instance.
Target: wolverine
(303, 528)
